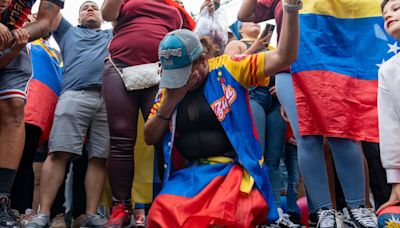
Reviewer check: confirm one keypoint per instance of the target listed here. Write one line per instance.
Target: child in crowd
(389, 105)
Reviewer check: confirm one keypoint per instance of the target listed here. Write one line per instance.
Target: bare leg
(37, 169)
(52, 176)
(94, 183)
(12, 132)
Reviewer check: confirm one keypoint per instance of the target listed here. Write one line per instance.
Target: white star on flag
(393, 48)
(380, 64)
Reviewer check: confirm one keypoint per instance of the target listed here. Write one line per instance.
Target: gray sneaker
(93, 221)
(39, 221)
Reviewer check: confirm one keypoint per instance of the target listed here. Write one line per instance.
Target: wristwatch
(293, 8)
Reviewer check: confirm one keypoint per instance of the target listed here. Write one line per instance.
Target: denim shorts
(80, 117)
(14, 78)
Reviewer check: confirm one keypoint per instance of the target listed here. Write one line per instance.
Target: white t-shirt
(389, 117)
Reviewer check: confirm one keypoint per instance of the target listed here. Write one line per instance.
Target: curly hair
(209, 47)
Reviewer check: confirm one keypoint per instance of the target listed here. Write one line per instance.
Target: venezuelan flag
(342, 45)
(44, 87)
(207, 194)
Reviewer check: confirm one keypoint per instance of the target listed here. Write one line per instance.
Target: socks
(7, 177)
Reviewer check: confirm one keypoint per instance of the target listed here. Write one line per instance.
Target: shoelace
(363, 216)
(327, 218)
(284, 219)
(5, 208)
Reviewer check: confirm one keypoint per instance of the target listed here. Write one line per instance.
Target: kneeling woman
(215, 173)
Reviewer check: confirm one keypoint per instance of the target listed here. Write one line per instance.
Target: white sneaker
(329, 218)
(284, 221)
(39, 221)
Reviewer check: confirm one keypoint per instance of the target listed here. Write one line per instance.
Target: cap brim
(175, 78)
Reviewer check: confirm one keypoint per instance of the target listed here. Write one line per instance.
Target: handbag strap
(116, 68)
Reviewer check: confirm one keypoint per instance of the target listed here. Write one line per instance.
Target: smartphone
(217, 4)
(269, 28)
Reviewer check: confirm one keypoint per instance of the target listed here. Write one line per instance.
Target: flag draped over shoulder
(342, 45)
(44, 87)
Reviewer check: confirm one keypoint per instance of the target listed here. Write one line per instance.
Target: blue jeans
(292, 167)
(346, 154)
(271, 131)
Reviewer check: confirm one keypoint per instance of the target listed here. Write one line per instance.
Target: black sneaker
(347, 220)
(313, 220)
(295, 218)
(8, 219)
(329, 218)
(363, 217)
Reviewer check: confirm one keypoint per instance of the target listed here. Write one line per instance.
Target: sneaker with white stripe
(363, 217)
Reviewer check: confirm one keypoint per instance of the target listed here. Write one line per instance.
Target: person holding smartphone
(204, 103)
(265, 107)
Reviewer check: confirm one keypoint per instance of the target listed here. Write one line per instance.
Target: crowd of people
(222, 114)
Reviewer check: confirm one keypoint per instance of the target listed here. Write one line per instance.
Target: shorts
(80, 115)
(14, 78)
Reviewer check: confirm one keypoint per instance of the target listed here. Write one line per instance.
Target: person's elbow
(291, 58)
(45, 26)
(108, 15)
(244, 16)
(287, 59)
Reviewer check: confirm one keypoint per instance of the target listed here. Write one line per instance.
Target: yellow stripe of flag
(345, 9)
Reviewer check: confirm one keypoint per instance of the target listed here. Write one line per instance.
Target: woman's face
(250, 29)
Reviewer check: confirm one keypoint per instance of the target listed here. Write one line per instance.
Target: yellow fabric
(40, 42)
(142, 189)
(343, 8)
(248, 70)
(247, 181)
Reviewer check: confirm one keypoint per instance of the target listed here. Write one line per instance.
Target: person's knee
(58, 157)
(12, 111)
(97, 161)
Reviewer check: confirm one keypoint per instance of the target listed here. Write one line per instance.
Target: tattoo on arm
(42, 27)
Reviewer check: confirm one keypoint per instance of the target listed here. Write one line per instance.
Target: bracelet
(162, 117)
(293, 8)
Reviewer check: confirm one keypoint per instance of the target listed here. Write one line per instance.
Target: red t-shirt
(141, 26)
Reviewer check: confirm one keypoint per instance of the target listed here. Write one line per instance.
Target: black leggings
(122, 113)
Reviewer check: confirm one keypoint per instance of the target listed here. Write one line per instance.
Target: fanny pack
(139, 77)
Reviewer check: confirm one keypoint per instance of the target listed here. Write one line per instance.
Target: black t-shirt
(199, 133)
